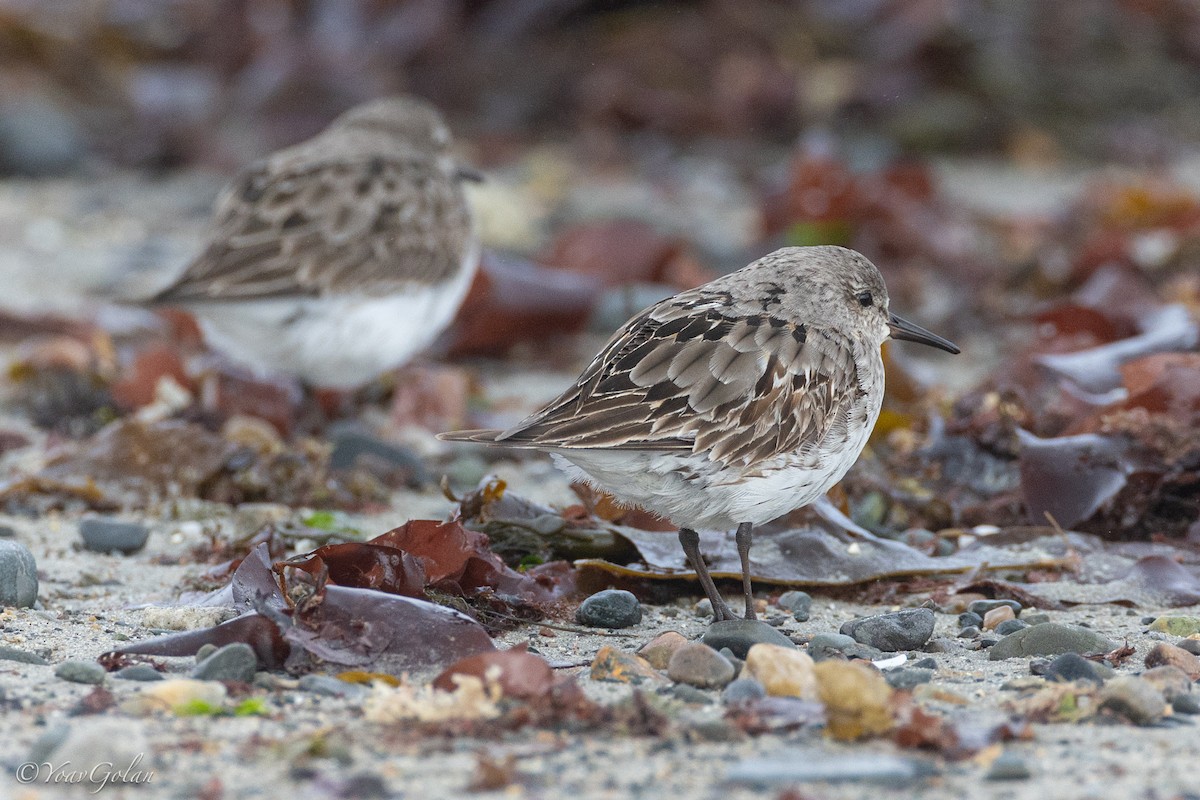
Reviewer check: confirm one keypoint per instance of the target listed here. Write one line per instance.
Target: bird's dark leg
(690, 541)
(744, 537)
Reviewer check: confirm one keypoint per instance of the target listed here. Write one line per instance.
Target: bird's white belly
(335, 342)
(688, 489)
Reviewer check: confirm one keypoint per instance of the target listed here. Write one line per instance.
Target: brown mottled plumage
(367, 212)
(732, 403)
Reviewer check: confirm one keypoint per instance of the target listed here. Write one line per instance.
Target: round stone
(1071, 667)
(139, 672)
(901, 630)
(611, 608)
(982, 607)
(739, 635)
(968, 619)
(330, 686)
(743, 690)
(78, 671)
(699, 665)
(1050, 639)
(18, 575)
(233, 662)
(798, 603)
(908, 678)
(1008, 767)
(1011, 626)
(1134, 699)
(107, 535)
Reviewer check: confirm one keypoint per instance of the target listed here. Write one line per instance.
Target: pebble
(1011, 626)
(739, 635)
(699, 665)
(1008, 767)
(1185, 704)
(996, 616)
(908, 678)
(982, 607)
(205, 651)
(1177, 625)
(171, 694)
(900, 630)
(782, 671)
(743, 690)
(8, 653)
(819, 765)
(18, 575)
(7, 532)
(969, 619)
(108, 535)
(857, 699)
(658, 651)
(233, 662)
(798, 603)
(616, 666)
(350, 442)
(970, 632)
(1071, 667)
(1035, 617)
(926, 663)
(611, 608)
(1165, 654)
(139, 672)
(830, 645)
(1133, 698)
(703, 608)
(1190, 646)
(78, 671)
(1049, 639)
(330, 686)
(690, 694)
(1171, 681)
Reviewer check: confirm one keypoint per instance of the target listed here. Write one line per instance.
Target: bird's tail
(480, 436)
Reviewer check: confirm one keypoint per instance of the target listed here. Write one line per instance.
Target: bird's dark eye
(865, 299)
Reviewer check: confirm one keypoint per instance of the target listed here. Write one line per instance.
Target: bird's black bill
(903, 329)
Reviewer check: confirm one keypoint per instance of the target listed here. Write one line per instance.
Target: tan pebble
(782, 671)
(1165, 654)
(997, 615)
(1168, 679)
(857, 699)
(658, 651)
(615, 666)
(166, 696)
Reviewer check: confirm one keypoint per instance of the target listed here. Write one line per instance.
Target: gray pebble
(18, 575)
(703, 608)
(739, 635)
(1050, 639)
(1181, 704)
(1008, 767)
(969, 618)
(1071, 667)
(1133, 698)
(330, 686)
(1148, 620)
(108, 535)
(732, 659)
(1011, 626)
(7, 532)
(908, 678)
(901, 630)
(8, 653)
(798, 603)
(139, 672)
(233, 662)
(78, 671)
(205, 651)
(1035, 617)
(743, 690)
(926, 663)
(981, 607)
(690, 694)
(832, 645)
(697, 664)
(611, 608)
(969, 632)
(1191, 645)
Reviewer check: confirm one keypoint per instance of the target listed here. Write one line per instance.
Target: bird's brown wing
(305, 227)
(739, 389)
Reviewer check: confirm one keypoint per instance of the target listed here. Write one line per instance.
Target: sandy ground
(319, 747)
